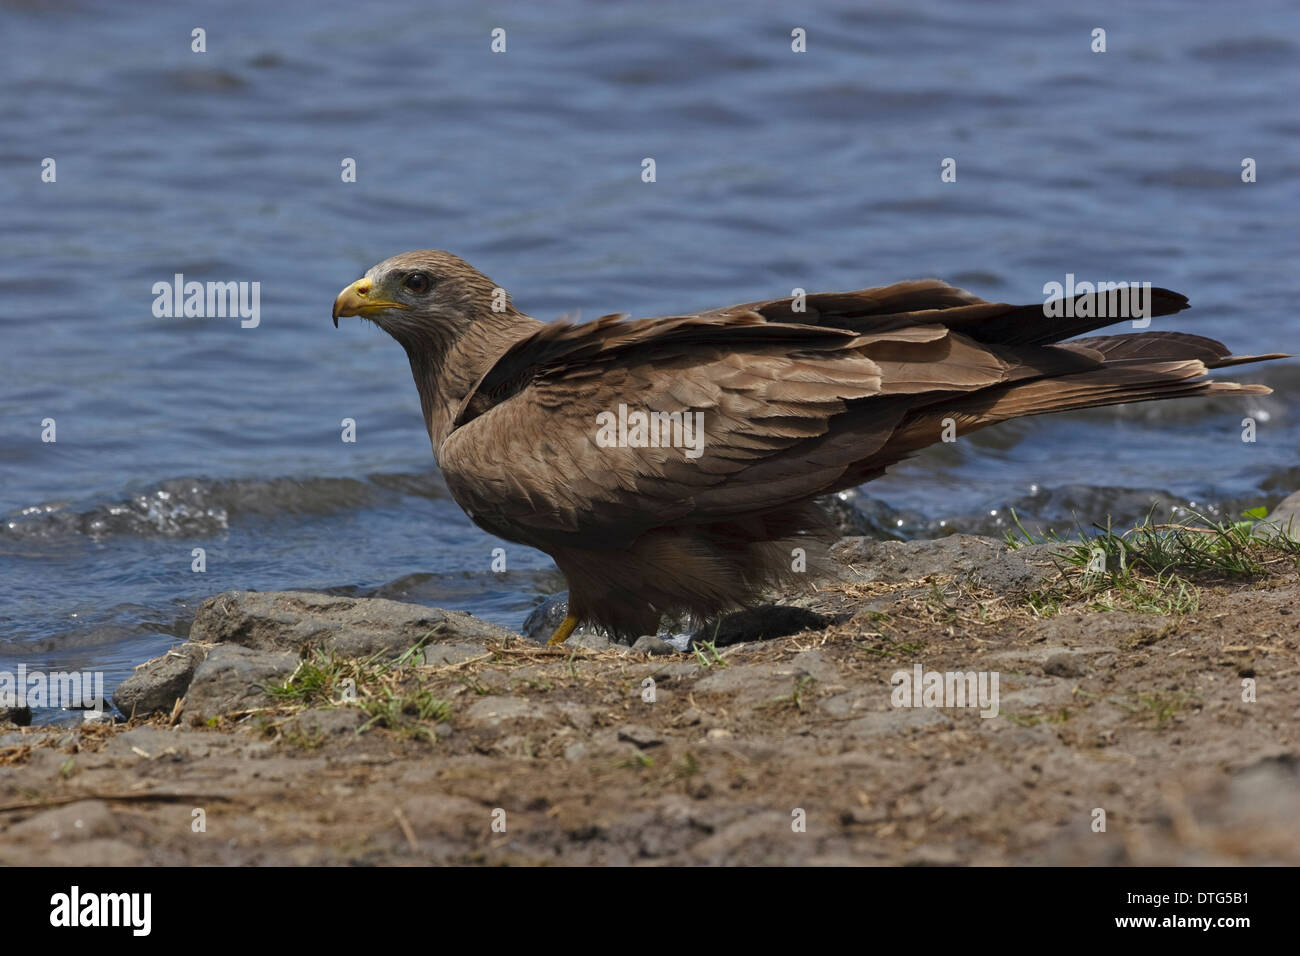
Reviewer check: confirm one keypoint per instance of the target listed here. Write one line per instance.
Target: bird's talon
(563, 631)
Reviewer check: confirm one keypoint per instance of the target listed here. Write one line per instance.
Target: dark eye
(417, 282)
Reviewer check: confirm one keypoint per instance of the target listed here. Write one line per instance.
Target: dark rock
(234, 678)
(642, 737)
(547, 616)
(350, 627)
(1054, 509)
(853, 514)
(156, 685)
(760, 624)
(22, 716)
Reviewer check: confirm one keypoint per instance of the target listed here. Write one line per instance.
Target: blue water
(774, 170)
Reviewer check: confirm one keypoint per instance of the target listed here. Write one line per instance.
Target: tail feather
(1163, 346)
(1114, 383)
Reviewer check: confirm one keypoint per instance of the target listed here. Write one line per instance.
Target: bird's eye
(417, 282)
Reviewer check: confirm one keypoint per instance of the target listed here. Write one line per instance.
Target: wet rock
(1052, 509)
(760, 624)
(547, 616)
(654, 646)
(20, 716)
(853, 515)
(350, 627)
(156, 685)
(234, 678)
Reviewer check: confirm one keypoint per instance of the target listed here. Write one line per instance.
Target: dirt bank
(484, 747)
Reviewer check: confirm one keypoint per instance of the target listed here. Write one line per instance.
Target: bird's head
(427, 295)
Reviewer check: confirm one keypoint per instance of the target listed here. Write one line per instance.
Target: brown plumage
(795, 404)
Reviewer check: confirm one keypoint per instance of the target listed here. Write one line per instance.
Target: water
(774, 170)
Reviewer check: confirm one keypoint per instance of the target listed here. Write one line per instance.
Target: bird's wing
(923, 301)
(786, 410)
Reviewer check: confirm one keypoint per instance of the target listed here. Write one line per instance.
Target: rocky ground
(299, 728)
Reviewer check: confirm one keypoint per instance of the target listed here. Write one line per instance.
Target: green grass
(378, 684)
(638, 761)
(1033, 720)
(1160, 706)
(406, 713)
(706, 653)
(1156, 568)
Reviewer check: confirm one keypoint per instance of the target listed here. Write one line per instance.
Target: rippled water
(774, 170)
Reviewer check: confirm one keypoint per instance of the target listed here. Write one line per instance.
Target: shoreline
(310, 732)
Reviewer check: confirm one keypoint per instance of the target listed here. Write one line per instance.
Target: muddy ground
(782, 751)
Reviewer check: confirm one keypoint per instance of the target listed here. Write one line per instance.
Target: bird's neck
(446, 370)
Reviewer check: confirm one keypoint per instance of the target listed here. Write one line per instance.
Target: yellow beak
(357, 300)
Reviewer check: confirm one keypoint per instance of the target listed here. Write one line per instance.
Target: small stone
(654, 646)
(592, 642)
(1062, 665)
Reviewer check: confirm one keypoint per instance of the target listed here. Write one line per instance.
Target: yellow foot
(563, 631)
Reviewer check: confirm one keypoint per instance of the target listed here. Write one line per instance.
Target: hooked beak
(356, 299)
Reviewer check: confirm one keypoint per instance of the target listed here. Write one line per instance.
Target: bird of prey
(669, 465)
